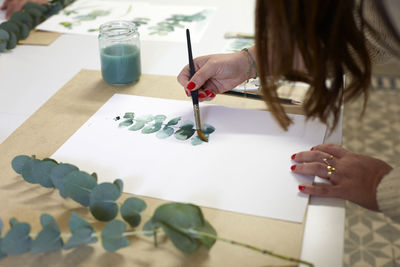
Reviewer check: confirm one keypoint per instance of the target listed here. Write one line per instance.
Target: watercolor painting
(154, 21)
(237, 44)
(149, 124)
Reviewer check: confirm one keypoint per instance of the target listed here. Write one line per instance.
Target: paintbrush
(194, 93)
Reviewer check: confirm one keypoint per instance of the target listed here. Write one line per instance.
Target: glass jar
(119, 46)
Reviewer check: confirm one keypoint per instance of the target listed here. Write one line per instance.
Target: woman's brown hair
(328, 37)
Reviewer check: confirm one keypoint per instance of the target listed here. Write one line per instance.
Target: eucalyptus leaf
(165, 132)
(152, 128)
(185, 131)
(24, 29)
(1, 226)
(28, 171)
(78, 185)
(102, 201)
(176, 219)
(139, 124)
(131, 209)
(17, 240)
(174, 121)
(49, 238)
(12, 42)
(42, 8)
(35, 14)
(119, 184)
(206, 240)
(195, 141)
(41, 172)
(23, 18)
(2, 254)
(50, 159)
(81, 237)
(126, 123)
(4, 35)
(207, 129)
(58, 174)
(160, 118)
(77, 223)
(18, 163)
(94, 175)
(150, 226)
(112, 237)
(10, 26)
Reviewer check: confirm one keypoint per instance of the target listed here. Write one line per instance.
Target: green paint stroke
(149, 124)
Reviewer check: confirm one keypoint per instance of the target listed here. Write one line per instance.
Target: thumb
(202, 75)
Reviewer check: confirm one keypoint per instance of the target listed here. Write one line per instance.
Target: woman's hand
(353, 177)
(16, 5)
(215, 74)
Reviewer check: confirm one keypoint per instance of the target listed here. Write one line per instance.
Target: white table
(30, 75)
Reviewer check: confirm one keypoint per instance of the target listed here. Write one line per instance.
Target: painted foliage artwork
(154, 22)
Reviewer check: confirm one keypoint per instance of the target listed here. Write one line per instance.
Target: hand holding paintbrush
(194, 93)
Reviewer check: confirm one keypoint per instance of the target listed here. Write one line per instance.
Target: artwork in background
(155, 22)
(248, 155)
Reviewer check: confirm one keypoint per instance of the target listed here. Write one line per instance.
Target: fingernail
(293, 156)
(187, 93)
(212, 95)
(302, 187)
(208, 92)
(293, 167)
(202, 95)
(191, 86)
(312, 148)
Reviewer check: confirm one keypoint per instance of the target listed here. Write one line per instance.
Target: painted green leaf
(207, 129)
(76, 223)
(28, 171)
(129, 115)
(23, 18)
(131, 209)
(41, 172)
(174, 121)
(152, 128)
(49, 238)
(160, 118)
(119, 184)
(137, 126)
(195, 141)
(78, 185)
(126, 123)
(57, 175)
(102, 201)
(18, 162)
(176, 217)
(112, 237)
(165, 132)
(17, 240)
(81, 237)
(185, 131)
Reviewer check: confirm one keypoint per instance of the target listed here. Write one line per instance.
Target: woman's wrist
(251, 62)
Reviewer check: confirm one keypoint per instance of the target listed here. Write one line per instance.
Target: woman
(315, 41)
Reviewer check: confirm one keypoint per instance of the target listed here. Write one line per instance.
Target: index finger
(184, 76)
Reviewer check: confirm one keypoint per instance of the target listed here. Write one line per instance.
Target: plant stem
(263, 251)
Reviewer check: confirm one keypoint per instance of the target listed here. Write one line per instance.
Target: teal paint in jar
(119, 46)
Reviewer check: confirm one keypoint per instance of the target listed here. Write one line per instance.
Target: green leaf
(18, 163)
(42, 8)
(1, 226)
(23, 18)
(165, 132)
(78, 185)
(174, 121)
(205, 240)
(195, 141)
(131, 209)
(58, 174)
(2, 254)
(10, 26)
(126, 123)
(41, 172)
(152, 128)
(185, 131)
(102, 201)
(129, 115)
(160, 118)
(50, 159)
(119, 184)
(94, 175)
(137, 126)
(207, 129)
(150, 226)
(77, 223)
(28, 171)
(24, 30)
(17, 240)
(81, 237)
(49, 238)
(12, 42)
(4, 37)
(112, 237)
(35, 14)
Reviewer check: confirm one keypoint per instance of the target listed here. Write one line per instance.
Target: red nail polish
(312, 148)
(293, 156)
(191, 86)
(302, 187)
(208, 92)
(212, 95)
(187, 93)
(201, 95)
(293, 167)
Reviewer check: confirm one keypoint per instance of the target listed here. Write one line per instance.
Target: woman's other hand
(353, 177)
(16, 5)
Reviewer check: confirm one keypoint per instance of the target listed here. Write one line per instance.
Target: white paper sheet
(86, 16)
(245, 166)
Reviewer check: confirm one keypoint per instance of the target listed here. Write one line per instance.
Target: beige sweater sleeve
(388, 194)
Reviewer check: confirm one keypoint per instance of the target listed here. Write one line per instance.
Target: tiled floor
(371, 239)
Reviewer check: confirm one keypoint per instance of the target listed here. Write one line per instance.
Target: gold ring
(326, 159)
(330, 168)
(328, 176)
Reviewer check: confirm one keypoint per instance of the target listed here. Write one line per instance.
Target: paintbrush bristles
(201, 135)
